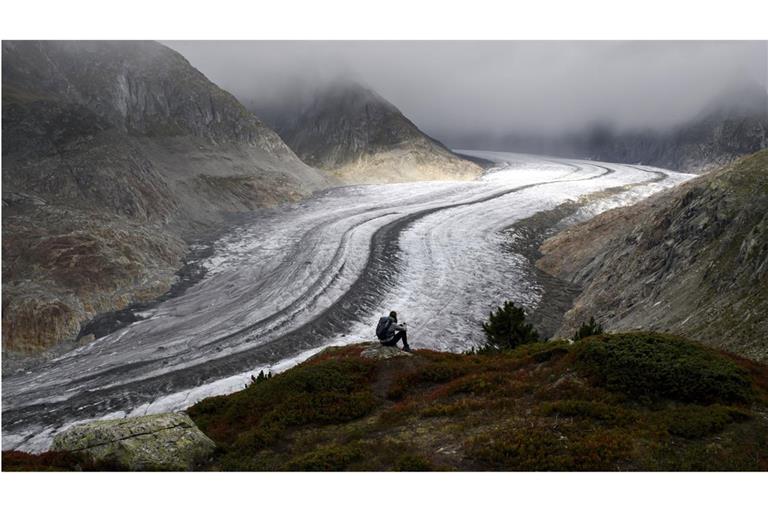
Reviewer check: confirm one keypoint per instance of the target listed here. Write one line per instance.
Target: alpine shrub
(507, 329)
(588, 329)
(654, 366)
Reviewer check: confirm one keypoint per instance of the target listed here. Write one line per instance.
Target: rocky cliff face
(115, 154)
(363, 138)
(692, 261)
(141, 88)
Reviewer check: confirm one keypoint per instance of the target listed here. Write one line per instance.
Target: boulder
(169, 441)
(377, 351)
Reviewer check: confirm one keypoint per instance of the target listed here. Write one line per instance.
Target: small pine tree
(588, 329)
(261, 377)
(507, 329)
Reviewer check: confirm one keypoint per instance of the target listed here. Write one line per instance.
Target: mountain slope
(115, 154)
(692, 261)
(363, 138)
(733, 127)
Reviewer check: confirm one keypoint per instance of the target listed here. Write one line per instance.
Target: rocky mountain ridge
(352, 131)
(115, 156)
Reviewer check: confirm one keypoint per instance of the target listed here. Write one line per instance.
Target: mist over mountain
(657, 102)
(361, 137)
(732, 125)
(453, 89)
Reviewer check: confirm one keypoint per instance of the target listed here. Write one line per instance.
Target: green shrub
(325, 392)
(541, 449)
(586, 330)
(654, 366)
(486, 383)
(326, 458)
(321, 408)
(601, 450)
(692, 456)
(585, 409)
(531, 448)
(507, 329)
(521, 449)
(256, 437)
(550, 353)
(452, 409)
(413, 462)
(455, 409)
(696, 421)
(436, 372)
(55, 461)
(260, 378)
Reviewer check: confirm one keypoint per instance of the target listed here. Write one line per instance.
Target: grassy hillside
(639, 401)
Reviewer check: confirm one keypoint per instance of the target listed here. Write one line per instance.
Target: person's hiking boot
(406, 348)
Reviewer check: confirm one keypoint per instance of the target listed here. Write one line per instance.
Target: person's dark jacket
(391, 329)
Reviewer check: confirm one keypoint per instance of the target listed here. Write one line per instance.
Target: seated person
(390, 332)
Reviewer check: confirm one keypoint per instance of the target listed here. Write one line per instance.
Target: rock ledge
(375, 350)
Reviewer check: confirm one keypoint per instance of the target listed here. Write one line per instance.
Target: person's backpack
(382, 329)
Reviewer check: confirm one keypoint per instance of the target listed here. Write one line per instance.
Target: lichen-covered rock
(168, 441)
(378, 351)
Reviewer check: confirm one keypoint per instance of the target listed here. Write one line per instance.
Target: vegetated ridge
(636, 401)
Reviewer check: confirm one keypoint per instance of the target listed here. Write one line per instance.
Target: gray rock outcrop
(377, 351)
(168, 441)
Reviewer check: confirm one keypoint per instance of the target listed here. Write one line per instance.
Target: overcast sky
(452, 87)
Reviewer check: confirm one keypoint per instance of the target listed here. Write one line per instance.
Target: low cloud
(453, 88)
